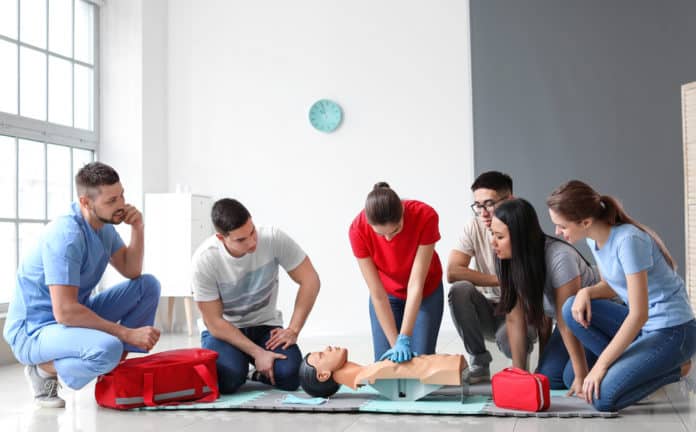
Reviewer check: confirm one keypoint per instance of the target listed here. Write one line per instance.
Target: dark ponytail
(383, 206)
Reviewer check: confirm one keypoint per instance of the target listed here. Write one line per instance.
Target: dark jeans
(233, 364)
(555, 362)
(425, 331)
(652, 360)
(475, 320)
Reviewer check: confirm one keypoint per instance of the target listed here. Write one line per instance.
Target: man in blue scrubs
(55, 326)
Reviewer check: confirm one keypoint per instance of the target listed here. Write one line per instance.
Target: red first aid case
(168, 377)
(518, 389)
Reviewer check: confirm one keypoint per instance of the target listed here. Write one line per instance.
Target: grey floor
(669, 409)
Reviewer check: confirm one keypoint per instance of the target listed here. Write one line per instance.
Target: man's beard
(111, 221)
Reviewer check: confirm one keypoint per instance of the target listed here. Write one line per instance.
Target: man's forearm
(225, 331)
(458, 273)
(135, 253)
(77, 315)
(304, 302)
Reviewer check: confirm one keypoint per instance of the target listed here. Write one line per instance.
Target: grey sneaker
(479, 373)
(45, 389)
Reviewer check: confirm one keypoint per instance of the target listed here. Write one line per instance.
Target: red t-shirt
(394, 259)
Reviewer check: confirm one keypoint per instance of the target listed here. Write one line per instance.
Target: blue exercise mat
(448, 401)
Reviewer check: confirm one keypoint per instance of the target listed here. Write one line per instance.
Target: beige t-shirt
(475, 241)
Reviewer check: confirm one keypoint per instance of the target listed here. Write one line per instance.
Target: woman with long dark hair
(537, 274)
(649, 342)
(394, 243)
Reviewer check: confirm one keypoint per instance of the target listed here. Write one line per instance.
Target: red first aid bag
(164, 378)
(520, 390)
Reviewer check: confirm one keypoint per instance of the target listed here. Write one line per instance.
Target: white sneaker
(45, 390)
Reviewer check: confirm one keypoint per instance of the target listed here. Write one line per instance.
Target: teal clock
(325, 115)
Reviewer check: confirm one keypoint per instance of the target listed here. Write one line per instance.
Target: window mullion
(72, 66)
(72, 170)
(19, 76)
(47, 68)
(45, 180)
(16, 223)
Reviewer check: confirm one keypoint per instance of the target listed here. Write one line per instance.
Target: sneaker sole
(60, 403)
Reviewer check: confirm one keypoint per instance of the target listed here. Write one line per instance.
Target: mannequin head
(317, 369)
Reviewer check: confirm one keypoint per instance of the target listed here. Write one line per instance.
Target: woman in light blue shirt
(646, 344)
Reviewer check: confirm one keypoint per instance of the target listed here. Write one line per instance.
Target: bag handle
(208, 379)
(517, 371)
(149, 389)
(203, 373)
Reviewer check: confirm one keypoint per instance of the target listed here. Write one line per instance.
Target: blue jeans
(651, 361)
(425, 330)
(233, 363)
(82, 354)
(555, 362)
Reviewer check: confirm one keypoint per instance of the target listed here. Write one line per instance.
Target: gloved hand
(401, 352)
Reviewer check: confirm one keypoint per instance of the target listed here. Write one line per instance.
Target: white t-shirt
(475, 241)
(248, 285)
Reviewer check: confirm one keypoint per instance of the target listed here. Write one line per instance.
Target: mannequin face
(328, 361)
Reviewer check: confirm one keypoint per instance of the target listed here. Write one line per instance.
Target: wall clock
(325, 115)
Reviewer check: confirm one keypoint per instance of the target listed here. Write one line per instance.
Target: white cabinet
(175, 225)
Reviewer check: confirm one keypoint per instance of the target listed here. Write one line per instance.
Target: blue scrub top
(68, 252)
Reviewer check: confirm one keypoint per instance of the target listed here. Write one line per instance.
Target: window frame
(18, 127)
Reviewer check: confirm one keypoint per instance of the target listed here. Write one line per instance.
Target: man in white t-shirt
(235, 285)
(475, 294)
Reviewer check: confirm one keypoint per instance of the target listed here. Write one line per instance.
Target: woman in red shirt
(394, 242)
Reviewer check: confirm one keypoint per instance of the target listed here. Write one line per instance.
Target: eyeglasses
(489, 205)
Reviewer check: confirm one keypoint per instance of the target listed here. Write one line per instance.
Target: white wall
(241, 78)
(133, 47)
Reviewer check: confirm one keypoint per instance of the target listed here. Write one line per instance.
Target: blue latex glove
(401, 352)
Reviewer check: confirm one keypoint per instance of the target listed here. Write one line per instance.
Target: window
(48, 117)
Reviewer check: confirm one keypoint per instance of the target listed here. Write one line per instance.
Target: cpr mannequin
(322, 373)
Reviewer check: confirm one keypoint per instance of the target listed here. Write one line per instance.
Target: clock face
(325, 115)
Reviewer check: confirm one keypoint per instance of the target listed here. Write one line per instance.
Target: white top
(248, 285)
(475, 241)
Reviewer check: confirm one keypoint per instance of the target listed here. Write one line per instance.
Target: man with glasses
(475, 293)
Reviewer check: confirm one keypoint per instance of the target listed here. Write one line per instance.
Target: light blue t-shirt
(630, 250)
(68, 252)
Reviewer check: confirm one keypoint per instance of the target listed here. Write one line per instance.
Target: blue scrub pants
(81, 354)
